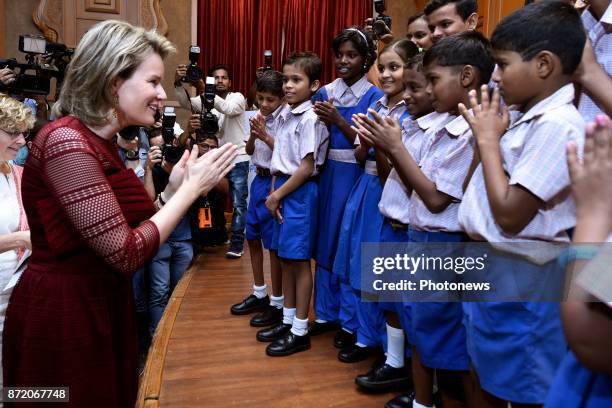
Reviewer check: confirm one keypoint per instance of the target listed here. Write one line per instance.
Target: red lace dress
(70, 320)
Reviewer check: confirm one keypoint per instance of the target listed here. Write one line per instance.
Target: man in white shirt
(229, 108)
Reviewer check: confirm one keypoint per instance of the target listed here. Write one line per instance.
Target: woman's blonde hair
(15, 116)
(110, 50)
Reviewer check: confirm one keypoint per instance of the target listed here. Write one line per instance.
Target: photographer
(229, 107)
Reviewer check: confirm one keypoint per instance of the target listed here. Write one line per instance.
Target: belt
(397, 225)
(279, 174)
(370, 168)
(262, 171)
(342, 155)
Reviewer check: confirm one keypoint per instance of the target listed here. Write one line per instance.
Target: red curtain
(236, 32)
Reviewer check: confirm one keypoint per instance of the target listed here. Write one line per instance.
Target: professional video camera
(170, 152)
(38, 80)
(382, 22)
(208, 120)
(268, 60)
(194, 73)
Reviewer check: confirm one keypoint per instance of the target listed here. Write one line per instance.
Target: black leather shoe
(344, 339)
(249, 305)
(273, 333)
(384, 378)
(355, 354)
(289, 344)
(317, 328)
(401, 401)
(270, 316)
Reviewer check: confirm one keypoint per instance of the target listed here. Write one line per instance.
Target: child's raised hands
(591, 179)
(327, 112)
(382, 133)
(488, 120)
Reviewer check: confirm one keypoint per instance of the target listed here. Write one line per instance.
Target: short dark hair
(211, 137)
(363, 43)
(217, 67)
(272, 82)
(467, 48)
(465, 8)
(308, 61)
(414, 18)
(416, 63)
(553, 26)
(403, 47)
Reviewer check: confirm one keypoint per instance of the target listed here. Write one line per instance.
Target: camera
(171, 153)
(194, 73)
(208, 120)
(33, 78)
(382, 22)
(268, 60)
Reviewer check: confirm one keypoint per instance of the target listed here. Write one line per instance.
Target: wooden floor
(205, 357)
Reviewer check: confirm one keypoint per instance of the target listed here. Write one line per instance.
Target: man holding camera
(229, 108)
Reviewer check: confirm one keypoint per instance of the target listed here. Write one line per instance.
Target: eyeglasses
(15, 135)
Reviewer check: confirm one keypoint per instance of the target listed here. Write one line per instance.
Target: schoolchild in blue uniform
(335, 103)
(453, 66)
(259, 221)
(519, 194)
(300, 144)
(394, 205)
(584, 378)
(362, 221)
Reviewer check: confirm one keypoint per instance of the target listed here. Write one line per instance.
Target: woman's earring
(115, 106)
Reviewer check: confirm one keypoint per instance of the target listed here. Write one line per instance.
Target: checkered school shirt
(381, 106)
(345, 95)
(298, 133)
(600, 34)
(445, 160)
(263, 154)
(533, 155)
(395, 199)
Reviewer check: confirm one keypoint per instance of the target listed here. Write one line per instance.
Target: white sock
(277, 302)
(320, 321)
(417, 405)
(360, 345)
(395, 347)
(260, 291)
(347, 330)
(288, 315)
(300, 326)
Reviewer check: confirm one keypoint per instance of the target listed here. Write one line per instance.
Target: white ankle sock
(277, 302)
(260, 291)
(288, 315)
(300, 326)
(417, 405)
(395, 347)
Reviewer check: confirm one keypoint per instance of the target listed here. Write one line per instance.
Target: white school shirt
(533, 156)
(600, 34)
(345, 95)
(263, 154)
(446, 156)
(298, 133)
(395, 199)
(381, 106)
(230, 112)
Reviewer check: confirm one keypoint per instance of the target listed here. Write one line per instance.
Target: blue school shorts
(259, 221)
(515, 347)
(437, 327)
(294, 239)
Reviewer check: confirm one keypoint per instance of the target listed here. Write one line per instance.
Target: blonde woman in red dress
(70, 319)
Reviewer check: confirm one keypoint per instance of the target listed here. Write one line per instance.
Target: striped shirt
(345, 95)
(395, 199)
(445, 160)
(299, 132)
(600, 34)
(263, 154)
(533, 156)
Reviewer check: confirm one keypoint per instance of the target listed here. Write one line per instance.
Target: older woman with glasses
(15, 121)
